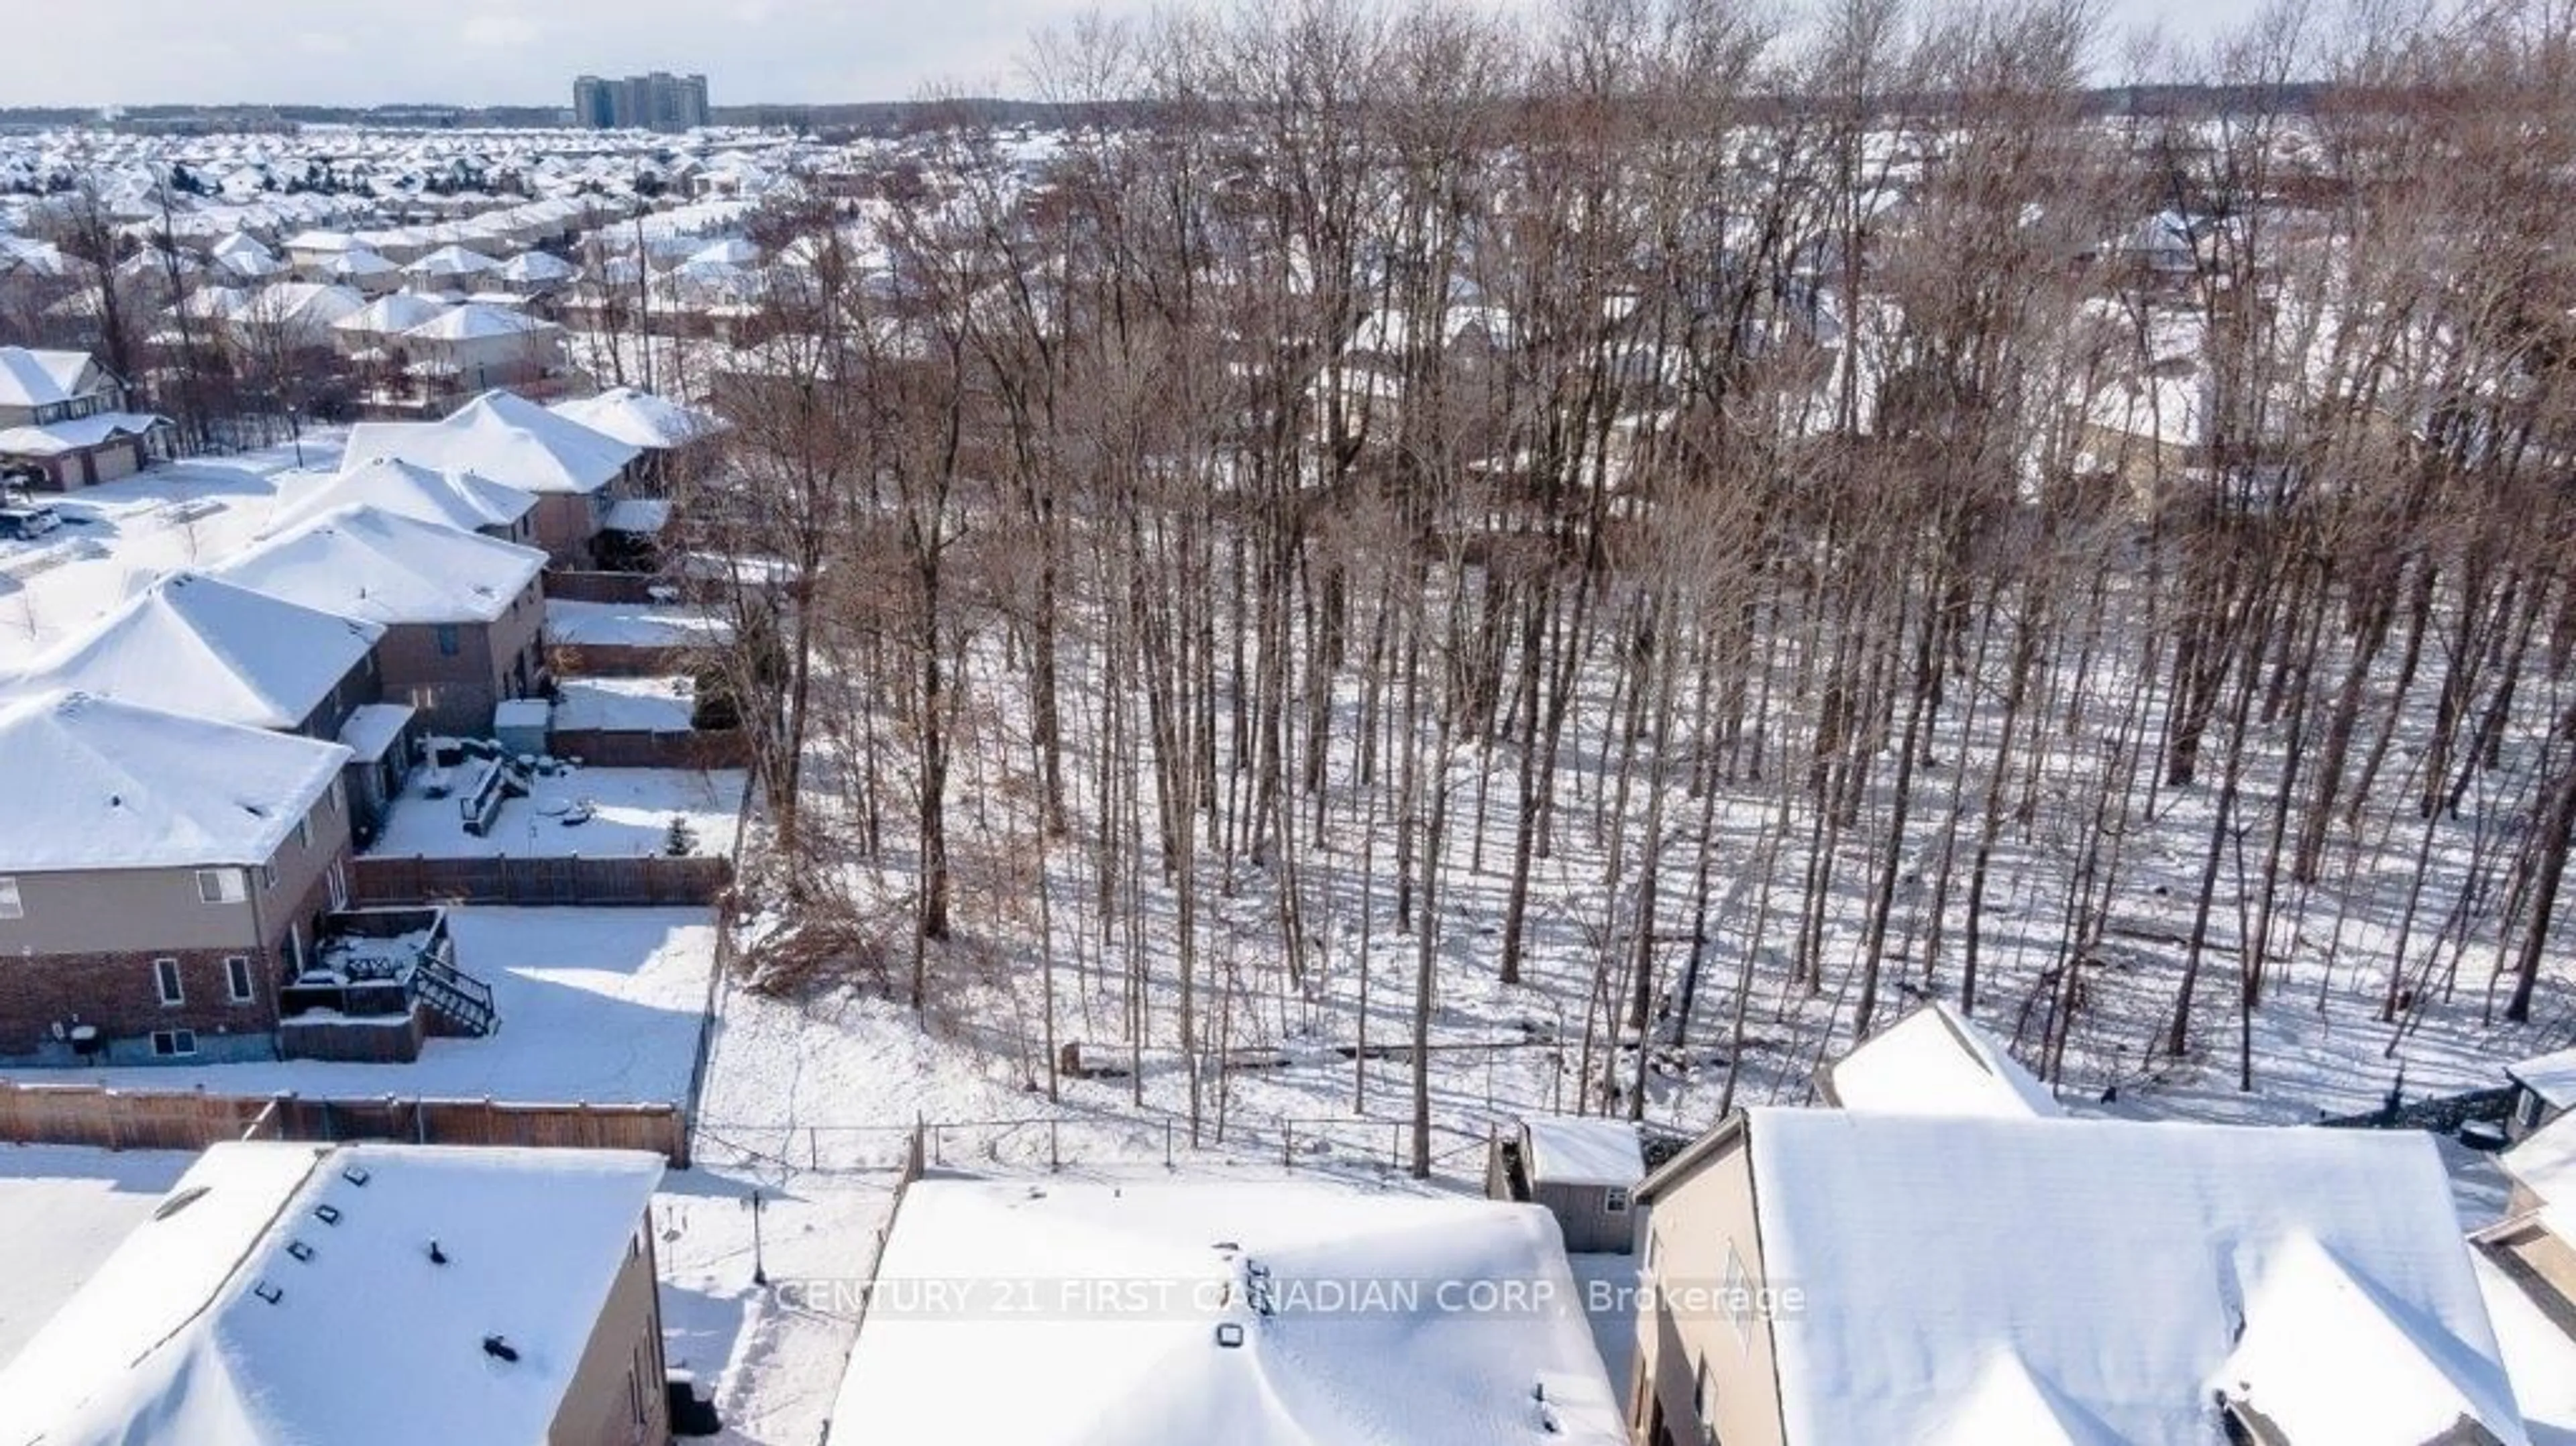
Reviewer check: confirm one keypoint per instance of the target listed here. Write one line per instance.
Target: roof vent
(436, 1255)
(178, 1202)
(356, 1175)
(499, 1349)
(268, 1292)
(1229, 1334)
(299, 1250)
(327, 1214)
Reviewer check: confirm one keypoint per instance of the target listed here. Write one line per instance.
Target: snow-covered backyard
(626, 705)
(628, 814)
(633, 625)
(596, 1005)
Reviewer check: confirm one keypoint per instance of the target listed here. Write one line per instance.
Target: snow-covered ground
(633, 625)
(596, 1005)
(630, 814)
(626, 705)
(66, 1209)
(117, 538)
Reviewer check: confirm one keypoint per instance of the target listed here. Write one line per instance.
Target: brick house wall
(456, 690)
(86, 951)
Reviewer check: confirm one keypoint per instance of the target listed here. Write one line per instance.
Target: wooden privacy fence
(85, 1114)
(624, 660)
(627, 748)
(118, 1119)
(376, 879)
(576, 585)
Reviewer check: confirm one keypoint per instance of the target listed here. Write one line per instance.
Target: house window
(304, 832)
(237, 979)
(166, 981)
(268, 876)
(1736, 1292)
(222, 886)
(1615, 1199)
(173, 1043)
(12, 906)
(447, 640)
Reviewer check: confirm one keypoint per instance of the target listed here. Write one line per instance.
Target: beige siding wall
(112, 911)
(1694, 1225)
(622, 1365)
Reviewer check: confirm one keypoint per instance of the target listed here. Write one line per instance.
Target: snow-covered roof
(241, 1316)
(537, 266)
(507, 438)
(640, 418)
(1583, 1151)
(366, 562)
(2545, 1162)
(641, 515)
(299, 304)
(55, 438)
(93, 783)
(1935, 1062)
(392, 313)
(452, 261)
(462, 500)
(2082, 1280)
(1395, 1360)
(2550, 1076)
(2539, 1351)
(31, 378)
(371, 729)
(361, 261)
(197, 645)
(475, 321)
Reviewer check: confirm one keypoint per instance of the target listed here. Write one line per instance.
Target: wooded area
(1733, 529)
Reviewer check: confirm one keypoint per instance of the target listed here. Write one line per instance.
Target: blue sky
(357, 52)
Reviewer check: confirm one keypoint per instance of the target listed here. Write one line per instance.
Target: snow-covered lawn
(67, 1209)
(633, 625)
(631, 813)
(597, 1005)
(117, 538)
(626, 705)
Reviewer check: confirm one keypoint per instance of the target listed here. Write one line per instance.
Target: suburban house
(363, 271)
(63, 417)
(462, 500)
(477, 345)
(1583, 1171)
(463, 614)
(1289, 1313)
(673, 437)
(372, 332)
(161, 878)
(576, 473)
(200, 646)
(399, 1295)
(286, 317)
(2544, 1088)
(1934, 1061)
(1836, 1276)
(2527, 1264)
